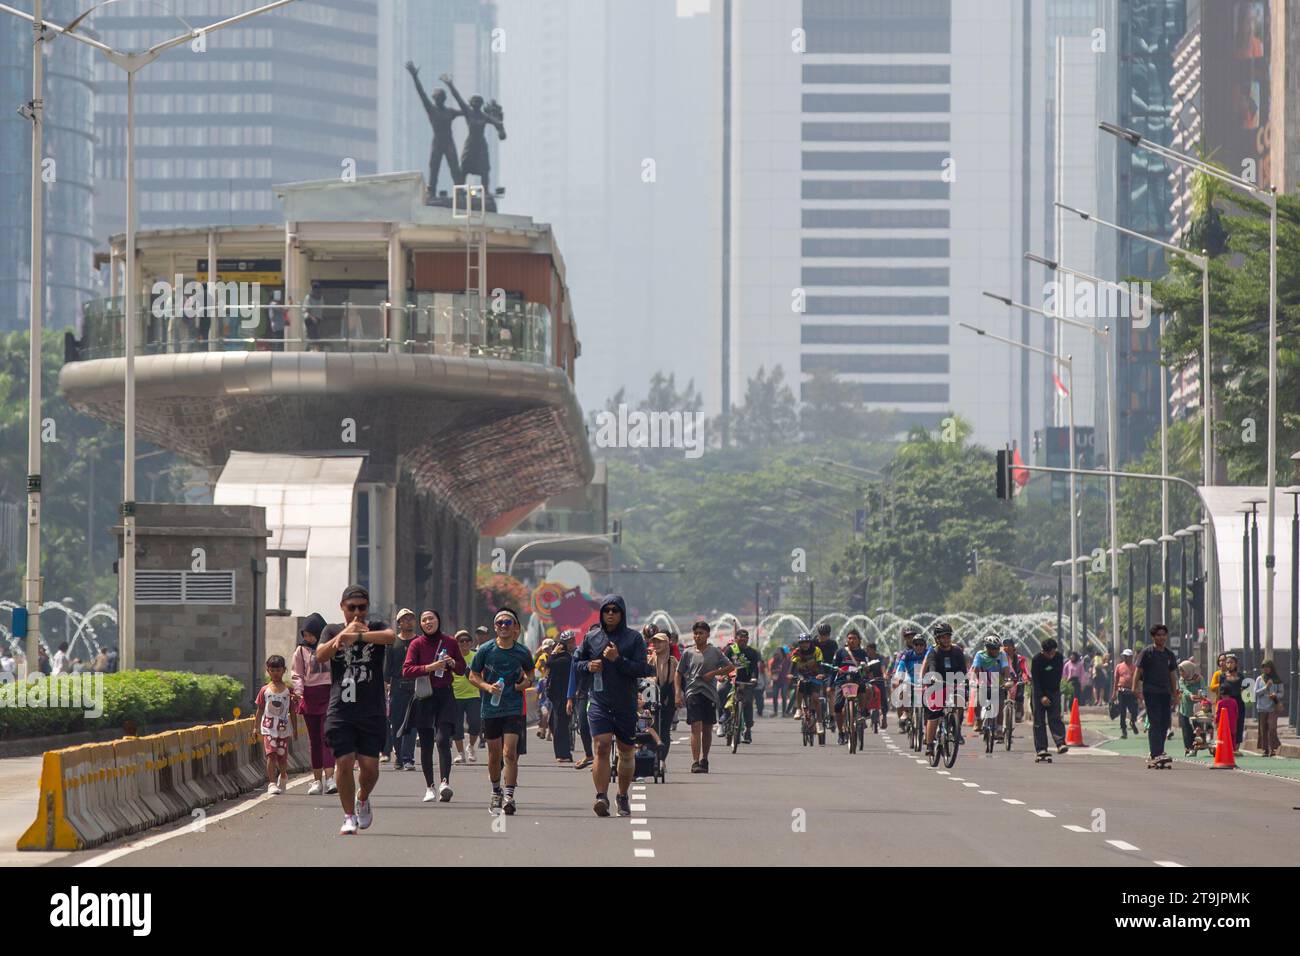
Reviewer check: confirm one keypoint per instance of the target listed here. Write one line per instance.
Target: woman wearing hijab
(1191, 688)
(665, 665)
(1268, 701)
(1230, 702)
(433, 657)
(311, 682)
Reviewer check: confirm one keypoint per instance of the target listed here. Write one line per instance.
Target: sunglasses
(356, 608)
(503, 623)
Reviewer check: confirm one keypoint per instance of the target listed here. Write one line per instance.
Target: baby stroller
(1202, 725)
(648, 752)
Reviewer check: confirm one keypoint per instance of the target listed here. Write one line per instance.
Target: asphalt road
(775, 802)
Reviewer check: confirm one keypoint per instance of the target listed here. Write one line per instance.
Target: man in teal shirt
(502, 670)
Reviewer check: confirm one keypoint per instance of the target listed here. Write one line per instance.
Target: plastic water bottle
(500, 686)
(598, 682)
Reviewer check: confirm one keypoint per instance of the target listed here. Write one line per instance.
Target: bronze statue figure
(444, 146)
(474, 154)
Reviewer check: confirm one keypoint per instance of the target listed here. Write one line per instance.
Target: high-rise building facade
(69, 144)
(287, 96)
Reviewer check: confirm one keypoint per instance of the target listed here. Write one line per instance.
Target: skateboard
(1163, 762)
(1043, 757)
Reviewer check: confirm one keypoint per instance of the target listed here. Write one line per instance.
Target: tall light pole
(1269, 197)
(35, 111)
(1108, 336)
(130, 63)
(1066, 362)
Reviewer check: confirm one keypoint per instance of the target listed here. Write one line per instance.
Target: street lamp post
(1269, 197)
(1067, 362)
(1147, 545)
(1182, 534)
(1255, 657)
(130, 63)
(1292, 710)
(1166, 602)
(1129, 548)
(1245, 583)
(1082, 560)
(1060, 589)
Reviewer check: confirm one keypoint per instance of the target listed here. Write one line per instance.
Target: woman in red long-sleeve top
(436, 656)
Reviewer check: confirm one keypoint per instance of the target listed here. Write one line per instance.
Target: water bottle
(500, 686)
(598, 682)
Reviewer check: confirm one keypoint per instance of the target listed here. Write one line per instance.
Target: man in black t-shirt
(943, 681)
(825, 643)
(748, 662)
(1045, 676)
(1155, 680)
(356, 717)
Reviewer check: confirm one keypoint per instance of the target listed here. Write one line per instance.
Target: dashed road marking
(944, 773)
(637, 821)
(989, 793)
(643, 852)
(969, 784)
(1075, 828)
(1042, 813)
(958, 779)
(1014, 803)
(1167, 863)
(637, 807)
(640, 834)
(918, 760)
(1121, 845)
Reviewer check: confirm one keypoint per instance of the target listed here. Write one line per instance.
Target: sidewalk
(20, 779)
(1098, 727)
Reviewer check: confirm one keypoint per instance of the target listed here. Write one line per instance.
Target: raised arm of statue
(460, 101)
(419, 88)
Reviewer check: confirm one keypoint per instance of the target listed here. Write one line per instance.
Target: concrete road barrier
(94, 793)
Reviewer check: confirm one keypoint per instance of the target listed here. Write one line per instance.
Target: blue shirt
(907, 663)
(492, 662)
(988, 665)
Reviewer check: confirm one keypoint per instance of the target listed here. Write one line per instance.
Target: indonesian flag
(1060, 386)
(1019, 475)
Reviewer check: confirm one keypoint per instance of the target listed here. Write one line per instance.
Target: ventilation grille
(185, 587)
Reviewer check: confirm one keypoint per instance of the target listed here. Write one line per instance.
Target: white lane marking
(1075, 828)
(969, 784)
(944, 773)
(1121, 845)
(1014, 803)
(637, 807)
(1167, 863)
(640, 852)
(147, 842)
(922, 761)
(635, 786)
(989, 793)
(637, 821)
(958, 779)
(1042, 813)
(887, 746)
(640, 834)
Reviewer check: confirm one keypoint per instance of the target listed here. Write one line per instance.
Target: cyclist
(876, 677)
(806, 668)
(947, 662)
(907, 671)
(989, 671)
(747, 661)
(1018, 665)
(851, 655)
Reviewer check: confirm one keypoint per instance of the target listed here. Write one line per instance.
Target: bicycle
(734, 712)
(947, 737)
(850, 692)
(1009, 714)
(808, 719)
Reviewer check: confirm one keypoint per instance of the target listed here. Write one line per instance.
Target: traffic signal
(1004, 486)
(973, 562)
(617, 531)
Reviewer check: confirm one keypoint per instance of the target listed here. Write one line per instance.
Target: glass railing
(439, 324)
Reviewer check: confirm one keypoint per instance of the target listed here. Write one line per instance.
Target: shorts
(363, 736)
(495, 728)
(602, 720)
(700, 709)
(275, 746)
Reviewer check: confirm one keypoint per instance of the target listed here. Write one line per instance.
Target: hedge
(143, 697)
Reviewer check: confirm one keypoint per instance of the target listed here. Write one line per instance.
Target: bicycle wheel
(937, 753)
(875, 720)
(737, 719)
(988, 736)
(951, 743)
(851, 722)
(1009, 723)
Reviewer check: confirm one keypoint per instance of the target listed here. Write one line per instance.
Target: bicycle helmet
(941, 627)
(824, 630)
(805, 638)
(910, 630)
(991, 643)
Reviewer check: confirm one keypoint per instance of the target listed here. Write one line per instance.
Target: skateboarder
(1045, 674)
(1155, 680)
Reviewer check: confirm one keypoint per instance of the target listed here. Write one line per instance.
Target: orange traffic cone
(970, 714)
(1074, 733)
(1223, 756)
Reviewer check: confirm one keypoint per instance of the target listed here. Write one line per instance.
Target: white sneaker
(314, 789)
(272, 789)
(283, 782)
(349, 826)
(430, 795)
(444, 792)
(469, 755)
(457, 758)
(331, 786)
(365, 816)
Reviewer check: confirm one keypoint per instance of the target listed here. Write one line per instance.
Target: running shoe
(365, 815)
(494, 807)
(469, 755)
(430, 795)
(331, 786)
(314, 789)
(349, 827)
(458, 758)
(272, 789)
(508, 806)
(601, 806)
(444, 792)
(704, 765)
(1062, 749)
(624, 806)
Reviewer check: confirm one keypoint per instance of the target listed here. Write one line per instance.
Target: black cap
(823, 629)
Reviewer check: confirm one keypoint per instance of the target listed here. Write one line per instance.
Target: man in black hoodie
(615, 657)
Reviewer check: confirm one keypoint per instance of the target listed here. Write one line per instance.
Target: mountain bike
(947, 737)
(1009, 714)
(734, 712)
(851, 693)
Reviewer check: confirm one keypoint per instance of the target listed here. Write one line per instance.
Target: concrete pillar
(114, 277)
(386, 557)
(215, 331)
(397, 325)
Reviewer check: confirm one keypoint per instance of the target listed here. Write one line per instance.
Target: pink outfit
(311, 682)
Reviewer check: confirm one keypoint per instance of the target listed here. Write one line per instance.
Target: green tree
(768, 418)
(994, 590)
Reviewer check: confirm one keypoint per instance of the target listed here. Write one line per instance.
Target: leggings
(443, 739)
(321, 755)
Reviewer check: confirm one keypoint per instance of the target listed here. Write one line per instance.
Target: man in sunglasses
(502, 670)
(355, 721)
